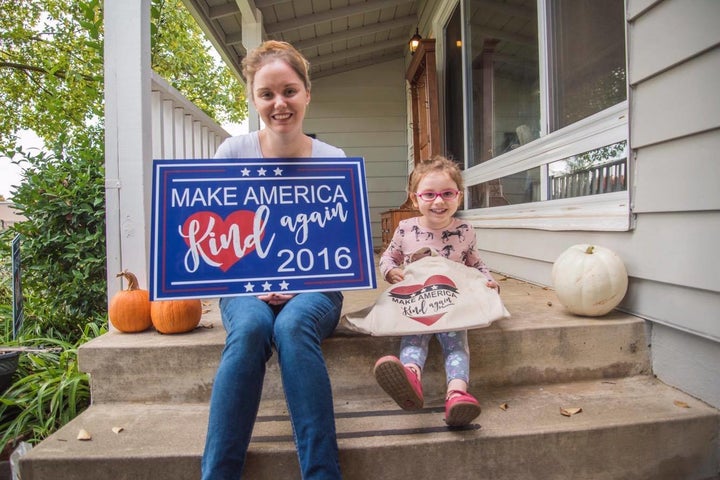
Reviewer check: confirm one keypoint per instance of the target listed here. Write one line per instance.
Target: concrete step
(629, 428)
(540, 343)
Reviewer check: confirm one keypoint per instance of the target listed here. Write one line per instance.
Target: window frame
(603, 212)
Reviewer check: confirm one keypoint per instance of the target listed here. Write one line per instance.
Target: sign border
(364, 276)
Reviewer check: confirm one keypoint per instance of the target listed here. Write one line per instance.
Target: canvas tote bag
(436, 295)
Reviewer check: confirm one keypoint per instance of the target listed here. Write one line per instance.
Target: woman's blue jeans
(296, 330)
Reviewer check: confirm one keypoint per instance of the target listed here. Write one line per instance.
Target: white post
(251, 38)
(128, 141)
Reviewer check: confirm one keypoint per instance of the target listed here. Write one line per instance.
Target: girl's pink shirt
(456, 242)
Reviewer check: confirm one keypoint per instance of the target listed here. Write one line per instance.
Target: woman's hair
(272, 50)
(436, 164)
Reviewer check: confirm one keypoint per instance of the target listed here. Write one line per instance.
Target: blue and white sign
(226, 227)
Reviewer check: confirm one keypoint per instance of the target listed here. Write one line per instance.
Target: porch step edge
(635, 427)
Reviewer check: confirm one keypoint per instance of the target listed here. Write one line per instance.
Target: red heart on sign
(412, 301)
(221, 242)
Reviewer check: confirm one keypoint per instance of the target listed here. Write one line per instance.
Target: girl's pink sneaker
(461, 408)
(400, 382)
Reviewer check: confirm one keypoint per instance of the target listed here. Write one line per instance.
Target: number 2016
(304, 259)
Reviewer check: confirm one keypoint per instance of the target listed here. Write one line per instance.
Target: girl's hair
(272, 50)
(436, 164)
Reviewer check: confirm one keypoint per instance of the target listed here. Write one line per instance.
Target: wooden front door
(422, 77)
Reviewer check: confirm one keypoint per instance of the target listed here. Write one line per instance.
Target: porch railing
(179, 128)
(608, 177)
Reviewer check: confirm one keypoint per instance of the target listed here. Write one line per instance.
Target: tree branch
(32, 68)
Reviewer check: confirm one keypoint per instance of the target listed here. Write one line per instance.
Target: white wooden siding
(674, 133)
(370, 124)
(673, 67)
(689, 361)
(328, 110)
(363, 112)
(654, 50)
(681, 101)
(676, 249)
(529, 254)
(668, 249)
(376, 139)
(698, 308)
(695, 181)
(637, 7)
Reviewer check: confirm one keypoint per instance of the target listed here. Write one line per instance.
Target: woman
(295, 325)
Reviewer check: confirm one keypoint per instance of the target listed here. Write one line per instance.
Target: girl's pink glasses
(445, 195)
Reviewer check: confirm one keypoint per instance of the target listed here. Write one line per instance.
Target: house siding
(653, 50)
(675, 136)
(697, 157)
(677, 102)
(364, 113)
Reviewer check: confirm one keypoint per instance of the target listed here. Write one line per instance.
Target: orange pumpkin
(175, 316)
(129, 310)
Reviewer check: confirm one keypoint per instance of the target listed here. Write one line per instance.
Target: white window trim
(605, 212)
(604, 128)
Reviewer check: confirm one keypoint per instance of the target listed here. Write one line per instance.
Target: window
(505, 79)
(454, 124)
(587, 58)
(545, 105)
(590, 173)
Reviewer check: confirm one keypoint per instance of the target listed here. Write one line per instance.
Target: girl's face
(280, 97)
(437, 213)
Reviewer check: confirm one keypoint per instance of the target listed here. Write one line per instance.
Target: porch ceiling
(334, 36)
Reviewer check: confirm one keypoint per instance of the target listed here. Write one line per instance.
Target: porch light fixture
(414, 41)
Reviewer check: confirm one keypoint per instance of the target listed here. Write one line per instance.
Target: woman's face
(280, 97)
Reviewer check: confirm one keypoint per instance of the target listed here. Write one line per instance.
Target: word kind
(222, 242)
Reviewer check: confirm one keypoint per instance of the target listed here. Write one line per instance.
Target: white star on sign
(278, 172)
(245, 172)
(249, 287)
(262, 172)
(284, 285)
(266, 286)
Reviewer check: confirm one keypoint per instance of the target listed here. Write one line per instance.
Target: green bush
(62, 252)
(63, 239)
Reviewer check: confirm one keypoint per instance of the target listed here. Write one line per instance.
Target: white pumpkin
(589, 280)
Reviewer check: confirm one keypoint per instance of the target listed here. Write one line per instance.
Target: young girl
(436, 190)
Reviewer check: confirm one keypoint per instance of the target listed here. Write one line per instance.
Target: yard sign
(227, 227)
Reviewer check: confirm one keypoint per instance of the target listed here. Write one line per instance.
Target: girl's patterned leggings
(414, 349)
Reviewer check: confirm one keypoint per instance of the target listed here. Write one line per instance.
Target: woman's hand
(492, 284)
(275, 298)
